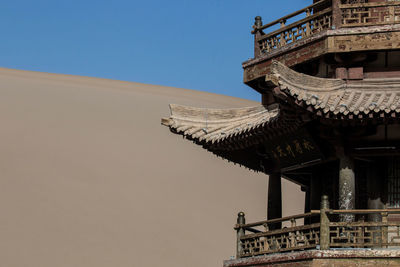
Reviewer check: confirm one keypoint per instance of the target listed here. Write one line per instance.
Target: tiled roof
(339, 97)
(230, 129)
(213, 126)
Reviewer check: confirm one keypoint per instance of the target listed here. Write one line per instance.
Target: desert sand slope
(89, 177)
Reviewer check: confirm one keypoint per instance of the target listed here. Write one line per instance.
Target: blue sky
(189, 44)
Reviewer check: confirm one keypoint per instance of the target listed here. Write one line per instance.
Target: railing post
(336, 14)
(282, 40)
(257, 25)
(324, 223)
(293, 222)
(392, 14)
(385, 229)
(241, 220)
(308, 24)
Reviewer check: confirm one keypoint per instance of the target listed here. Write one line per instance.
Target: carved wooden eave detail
(228, 129)
(337, 98)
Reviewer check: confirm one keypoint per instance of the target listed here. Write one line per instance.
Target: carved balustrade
(254, 241)
(311, 23)
(323, 232)
(369, 14)
(322, 16)
(364, 234)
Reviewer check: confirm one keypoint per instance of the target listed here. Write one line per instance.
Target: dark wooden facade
(329, 121)
(356, 41)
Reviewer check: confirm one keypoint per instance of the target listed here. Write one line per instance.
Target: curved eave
(339, 98)
(225, 129)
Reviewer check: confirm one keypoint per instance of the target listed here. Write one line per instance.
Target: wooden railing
(253, 241)
(364, 234)
(370, 14)
(323, 230)
(321, 16)
(312, 23)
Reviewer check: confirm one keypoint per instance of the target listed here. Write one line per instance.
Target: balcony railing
(312, 23)
(253, 241)
(322, 230)
(320, 16)
(370, 14)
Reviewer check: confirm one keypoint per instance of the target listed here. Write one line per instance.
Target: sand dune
(89, 177)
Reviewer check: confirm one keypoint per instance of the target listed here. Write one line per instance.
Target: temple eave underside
(294, 123)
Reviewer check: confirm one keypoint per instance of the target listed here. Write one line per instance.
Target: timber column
(375, 188)
(346, 185)
(274, 199)
(375, 181)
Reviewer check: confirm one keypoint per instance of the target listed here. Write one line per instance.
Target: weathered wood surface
(364, 42)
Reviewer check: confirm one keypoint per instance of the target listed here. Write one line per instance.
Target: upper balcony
(325, 27)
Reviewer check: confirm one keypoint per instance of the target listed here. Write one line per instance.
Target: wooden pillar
(375, 183)
(274, 199)
(315, 192)
(307, 203)
(346, 186)
(375, 180)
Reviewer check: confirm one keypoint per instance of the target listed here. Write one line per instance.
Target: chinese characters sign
(292, 150)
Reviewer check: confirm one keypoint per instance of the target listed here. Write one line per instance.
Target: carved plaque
(294, 150)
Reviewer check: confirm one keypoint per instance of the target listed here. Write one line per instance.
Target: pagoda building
(329, 77)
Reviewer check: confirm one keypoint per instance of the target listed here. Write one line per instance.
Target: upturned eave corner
(166, 122)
